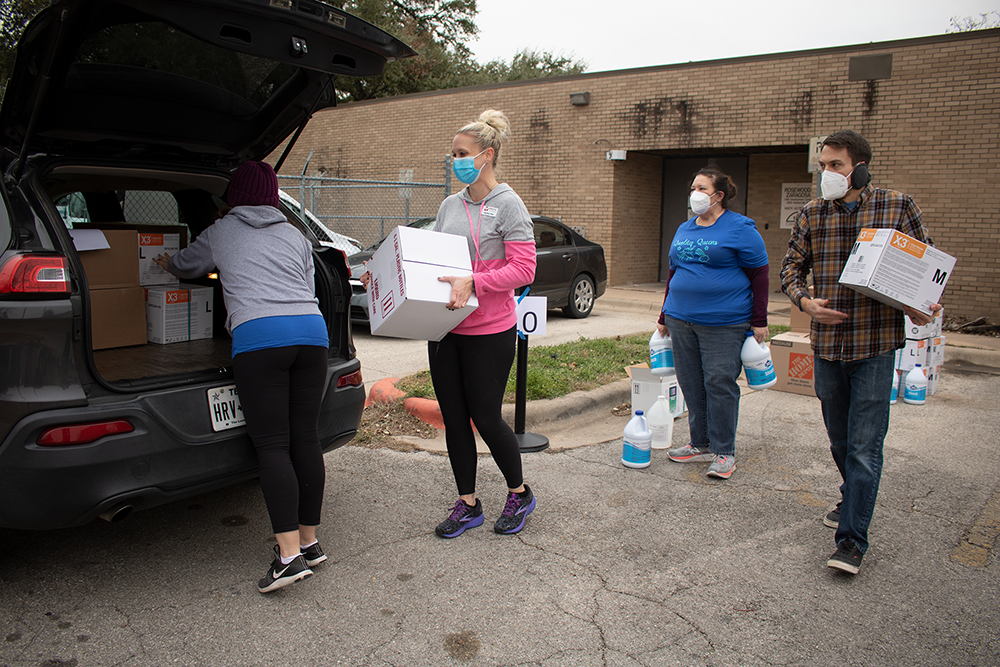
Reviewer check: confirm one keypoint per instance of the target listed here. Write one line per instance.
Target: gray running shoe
(722, 466)
(690, 454)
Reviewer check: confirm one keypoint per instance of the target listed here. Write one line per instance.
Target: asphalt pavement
(616, 566)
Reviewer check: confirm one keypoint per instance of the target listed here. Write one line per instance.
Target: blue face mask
(465, 169)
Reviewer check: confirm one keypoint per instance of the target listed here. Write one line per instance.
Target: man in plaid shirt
(854, 337)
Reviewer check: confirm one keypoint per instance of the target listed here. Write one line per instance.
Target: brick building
(930, 108)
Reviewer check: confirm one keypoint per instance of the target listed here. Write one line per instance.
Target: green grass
(556, 370)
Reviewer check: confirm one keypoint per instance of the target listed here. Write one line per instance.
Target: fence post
(302, 186)
(447, 176)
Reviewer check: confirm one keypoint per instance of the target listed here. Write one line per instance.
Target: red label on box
(800, 366)
(387, 305)
(150, 239)
(176, 296)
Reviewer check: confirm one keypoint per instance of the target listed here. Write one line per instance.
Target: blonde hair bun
(492, 130)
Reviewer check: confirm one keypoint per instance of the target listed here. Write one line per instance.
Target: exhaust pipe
(116, 513)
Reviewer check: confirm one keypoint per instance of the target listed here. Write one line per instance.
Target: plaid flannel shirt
(821, 242)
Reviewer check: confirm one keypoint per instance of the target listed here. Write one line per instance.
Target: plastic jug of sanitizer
(915, 386)
(757, 364)
(636, 442)
(661, 354)
(661, 423)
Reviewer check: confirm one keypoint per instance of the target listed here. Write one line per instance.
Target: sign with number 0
(531, 315)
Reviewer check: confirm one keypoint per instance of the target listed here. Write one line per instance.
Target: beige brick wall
(766, 173)
(934, 129)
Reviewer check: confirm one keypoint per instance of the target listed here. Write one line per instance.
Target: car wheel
(581, 297)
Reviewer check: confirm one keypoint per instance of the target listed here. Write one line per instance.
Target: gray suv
(113, 106)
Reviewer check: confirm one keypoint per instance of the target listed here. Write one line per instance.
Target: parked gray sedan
(571, 270)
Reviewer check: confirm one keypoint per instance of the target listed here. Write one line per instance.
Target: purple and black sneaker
(515, 511)
(462, 518)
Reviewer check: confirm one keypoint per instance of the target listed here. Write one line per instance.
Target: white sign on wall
(793, 197)
(531, 315)
(815, 148)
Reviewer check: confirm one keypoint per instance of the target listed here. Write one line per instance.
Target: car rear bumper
(172, 454)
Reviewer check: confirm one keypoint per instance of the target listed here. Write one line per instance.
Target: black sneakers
(313, 555)
(515, 511)
(847, 558)
(279, 576)
(832, 518)
(462, 518)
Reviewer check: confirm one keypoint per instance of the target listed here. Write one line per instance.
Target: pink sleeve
(516, 270)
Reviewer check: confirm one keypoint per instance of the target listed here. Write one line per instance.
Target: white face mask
(834, 185)
(700, 202)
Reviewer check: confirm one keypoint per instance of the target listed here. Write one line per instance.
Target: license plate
(224, 408)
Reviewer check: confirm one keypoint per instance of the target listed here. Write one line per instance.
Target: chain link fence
(367, 210)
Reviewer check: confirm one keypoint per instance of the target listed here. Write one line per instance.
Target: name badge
(490, 211)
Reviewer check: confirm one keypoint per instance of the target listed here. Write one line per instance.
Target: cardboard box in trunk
(115, 266)
(175, 314)
(117, 317)
(153, 244)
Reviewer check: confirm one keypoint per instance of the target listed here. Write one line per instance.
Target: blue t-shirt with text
(709, 286)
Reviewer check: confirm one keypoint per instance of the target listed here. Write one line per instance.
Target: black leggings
(470, 375)
(281, 390)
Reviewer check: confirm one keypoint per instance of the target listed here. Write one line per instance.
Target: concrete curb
(574, 411)
(547, 412)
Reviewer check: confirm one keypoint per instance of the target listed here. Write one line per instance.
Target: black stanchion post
(527, 442)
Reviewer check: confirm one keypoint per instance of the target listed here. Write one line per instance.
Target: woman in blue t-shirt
(716, 292)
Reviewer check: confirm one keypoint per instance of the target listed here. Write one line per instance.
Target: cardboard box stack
(925, 346)
(118, 261)
(405, 297)
(117, 302)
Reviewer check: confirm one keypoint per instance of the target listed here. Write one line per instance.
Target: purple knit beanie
(253, 184)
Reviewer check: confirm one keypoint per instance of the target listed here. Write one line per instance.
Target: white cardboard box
(151, 245)
(897, 270)
(935, 356)
(646, 387)
(933, 380)
(931, 330)
(405, 297)
(178, 313)
(914, 352)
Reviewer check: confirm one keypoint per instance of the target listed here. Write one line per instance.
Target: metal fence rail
(366, 210)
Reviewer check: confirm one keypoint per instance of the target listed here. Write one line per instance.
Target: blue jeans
(855, 399)
(707, 360)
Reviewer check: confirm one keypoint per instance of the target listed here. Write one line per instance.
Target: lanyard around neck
(474, 232)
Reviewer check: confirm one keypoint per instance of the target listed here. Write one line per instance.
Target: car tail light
(35, 274)
(82, 434)
(350, 380)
